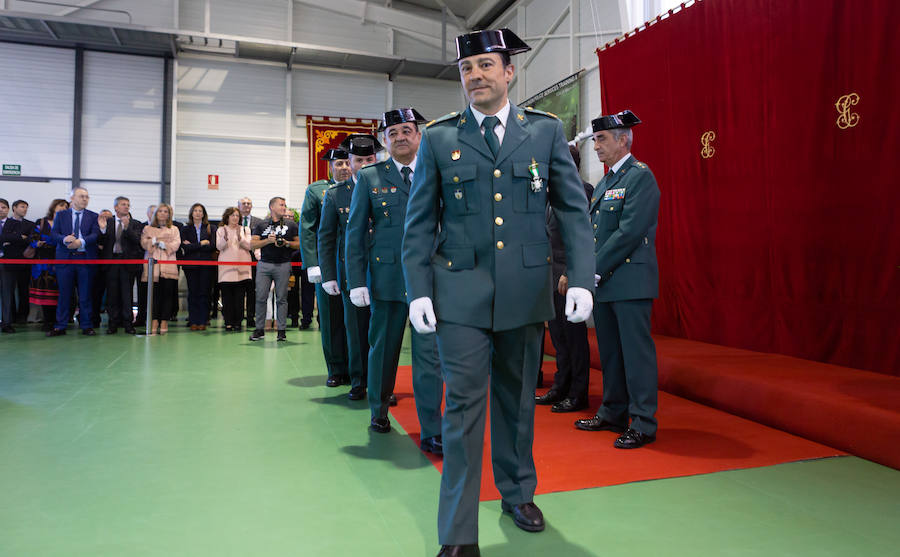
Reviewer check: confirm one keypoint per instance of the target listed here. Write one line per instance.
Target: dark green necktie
(406, 171)
(489, 124)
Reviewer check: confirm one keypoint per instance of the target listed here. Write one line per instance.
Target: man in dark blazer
(624, 211)
(75, 233)
(332, 259)
(569, 392)
(482, 183)
(15, 235)
(374, 236)
(245, 205)
(121, 239)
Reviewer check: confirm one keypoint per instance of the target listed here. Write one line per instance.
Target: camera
(279, 241)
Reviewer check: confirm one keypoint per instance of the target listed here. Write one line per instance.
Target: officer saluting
(482, 182)
(380, 197)
(332, 241)
(331, 311)
(624, 211)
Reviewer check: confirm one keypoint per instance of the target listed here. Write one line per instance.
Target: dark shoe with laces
(570, 405)
(550, 397)
(527, 516)
(380, 425)
(596, 423)
(432, 445)
(356, 393)
(56, 332)
(89, 332)
(258, 334)
(470, 550)
(633, 439)
(282, 336)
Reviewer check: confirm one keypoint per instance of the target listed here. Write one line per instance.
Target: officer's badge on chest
(618, 193)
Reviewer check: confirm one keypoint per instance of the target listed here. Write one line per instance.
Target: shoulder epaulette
(639, 164)
(533, 110)
(444, 118)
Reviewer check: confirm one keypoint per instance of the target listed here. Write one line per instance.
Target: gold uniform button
(377, 259)
(595, 240)
(449, 263)
(498, 197)
(612, 208)
(548, 260)
(499, 245)
(498, 221)
(595, 227)
(456, 178)
(597, 212)
(383, 203)
(628, 260)
(497, 173)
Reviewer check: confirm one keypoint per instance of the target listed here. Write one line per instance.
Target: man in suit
(120, 236)
(375, 278)
(15, 235)
(75, 233)
(4, 215)
(98, 283)
(624, 211)
(331, 308)
(569, 392)
(332, 260)
(245, 205)
(482, 182)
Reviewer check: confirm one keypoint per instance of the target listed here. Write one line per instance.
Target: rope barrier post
(150, 264)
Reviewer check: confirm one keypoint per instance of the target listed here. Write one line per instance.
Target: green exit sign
(12, 169)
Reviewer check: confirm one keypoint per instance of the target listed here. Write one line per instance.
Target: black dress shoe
(130, 331)
(432, 445)
(527, 516)
(393, 400)
(598, 424)
(570, 405)
(112, 331)
(470, 550)
(88, 332)
(334, 381)
(56, 332)
(633, 439)
(550, 397)
(357, 393)
(380, 425)
(282, 336)
(304, 326)
(8, 329)
(295, 323)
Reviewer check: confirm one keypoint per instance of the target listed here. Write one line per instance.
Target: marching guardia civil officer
(331, 310)
(376, 278)
(332, 260)
(482, 182)
(624, 211)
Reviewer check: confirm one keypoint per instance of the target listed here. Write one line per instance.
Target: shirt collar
(503, 114)
(615, 168)
(412, 165)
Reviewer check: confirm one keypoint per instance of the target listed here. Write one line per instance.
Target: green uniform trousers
(474, 362)
(356, 321)
(331, 327)
(386, 329)
(628, 358)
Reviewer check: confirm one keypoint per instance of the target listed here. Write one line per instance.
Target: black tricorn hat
(624, 119)
(361, 144)
(335, 154)
(399, 116)
(489, 40)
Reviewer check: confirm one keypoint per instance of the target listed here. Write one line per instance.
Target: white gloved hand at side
(359, 296)
(421, 315)
(579, 303)
(314, 274)
(597, 280)
(331, 288)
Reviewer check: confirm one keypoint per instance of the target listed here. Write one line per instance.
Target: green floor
(206, 444)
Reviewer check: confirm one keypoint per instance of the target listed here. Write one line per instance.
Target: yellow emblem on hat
(455, 154)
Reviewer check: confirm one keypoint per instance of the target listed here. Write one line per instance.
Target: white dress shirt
(503, 115)
(412, 166)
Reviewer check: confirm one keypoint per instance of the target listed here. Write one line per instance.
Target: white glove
(359, 296)
(579, 303)
(421, 315)
(314, 274)
(597, 280)
(160, 244)
(331, 288)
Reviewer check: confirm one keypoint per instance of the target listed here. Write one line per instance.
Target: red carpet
(693, 439)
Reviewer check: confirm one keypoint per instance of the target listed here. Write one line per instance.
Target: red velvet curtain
(772, 129)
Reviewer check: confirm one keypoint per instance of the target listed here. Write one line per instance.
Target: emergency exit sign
(12, 169)
(212, 181)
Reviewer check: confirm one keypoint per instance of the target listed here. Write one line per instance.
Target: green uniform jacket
(310, 213)
(624, 211)
(380, 197)
(491, 268)
(332, 227)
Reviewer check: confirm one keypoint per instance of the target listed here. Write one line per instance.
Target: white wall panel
(37, 194)
(254, 169)
(432, 97)
(266, 19)
(324, 27)
(36, 100)
(122, 122)
(332, 93)
(103, 195)
(191, 14)
(230, 98)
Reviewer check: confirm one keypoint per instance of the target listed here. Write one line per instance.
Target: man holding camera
(276, 238)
